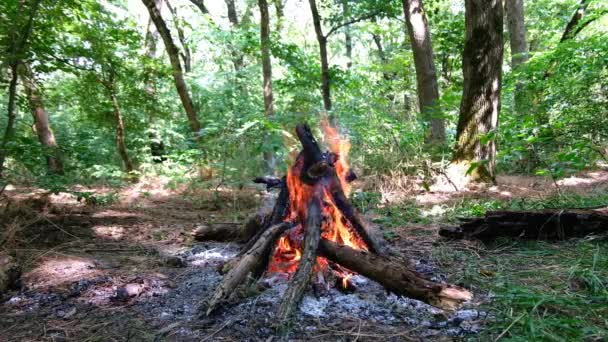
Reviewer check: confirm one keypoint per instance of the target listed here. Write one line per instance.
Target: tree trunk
(278, 7)
(120, 126)
(316, 19)
(517, 32)
(178, 75)
(41, 121)
(426, 75)
(519, 49)
(18, 43)
(157, 147)
(9, 132)
(237, 56)
(348, 41)
(269, 157)
(480, 106)
(201, 5)
(570, 30)
(186, 55)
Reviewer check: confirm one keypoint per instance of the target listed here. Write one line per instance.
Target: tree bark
(348, 40)
(41, 121)
(157, 147)
(9, 132)
(201, 5)
(269, 157)
(186, 55)
(298, 284)
(426, 75)
(570, 30)
(178, 74)
(120, 126)
(550, 224)
(480, 106)
(279, 10)
(325, 86)
(519, 49)
(237, 56)
(18, 39)
(395, 276)
(517, 32)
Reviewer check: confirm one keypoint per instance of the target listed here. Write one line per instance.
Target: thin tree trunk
(279, 11)
(426, 75)
(201, 5)
(517, 31)
(269, 157)
(514, 10)
(323, 55)
(178, 75)
(41, 121)
(348, 41)
(186, 55)
(120, 127)
(157, 147)
(480, 106)
(237, 56)
(570, 30)
(9, 132)
(19, 38)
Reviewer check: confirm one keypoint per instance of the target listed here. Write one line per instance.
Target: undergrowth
(532, 290)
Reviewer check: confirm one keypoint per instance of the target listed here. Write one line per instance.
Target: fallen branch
(301, 278)
(249, 264)
(395, 276)
(553, 224)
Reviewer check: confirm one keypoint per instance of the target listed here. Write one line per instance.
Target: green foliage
(77, 45)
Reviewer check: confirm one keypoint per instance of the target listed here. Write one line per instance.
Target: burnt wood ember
(395, 276)
(542, 224)
(299, 282)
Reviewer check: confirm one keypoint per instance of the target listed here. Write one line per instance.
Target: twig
(229, 322)
(502, 334)
(349, 22)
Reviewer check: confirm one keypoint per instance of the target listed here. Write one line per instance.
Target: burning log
(395, 276)
(299, 282)
(313, 195)
(553, 224)
(250, 264)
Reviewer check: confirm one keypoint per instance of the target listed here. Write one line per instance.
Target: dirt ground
(107, 267)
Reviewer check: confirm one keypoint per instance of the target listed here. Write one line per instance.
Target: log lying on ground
(555, 224)
(9, 272)
(251, 263)
(301, 278)
(395, 276)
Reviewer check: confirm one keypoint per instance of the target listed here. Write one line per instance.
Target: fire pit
(314, 235)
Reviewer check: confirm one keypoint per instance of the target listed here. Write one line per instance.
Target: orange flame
(334, 226)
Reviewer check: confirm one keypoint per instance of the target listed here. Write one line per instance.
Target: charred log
(395, 276)
(250, 264)
(301, 278)
(543, 224)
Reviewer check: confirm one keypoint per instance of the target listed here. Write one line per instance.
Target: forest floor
(121, 264)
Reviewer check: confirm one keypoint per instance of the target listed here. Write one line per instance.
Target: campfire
(314, 235)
